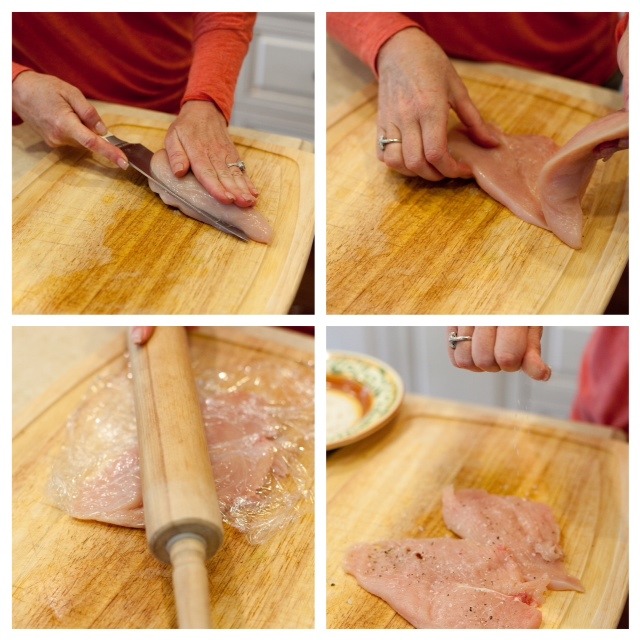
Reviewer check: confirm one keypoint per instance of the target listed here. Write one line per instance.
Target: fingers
(423, 150)
(85, 127)
(494, 349)
(198, 139)
(77, 132)
(462, 356)
(86, 112)
(483, 349)
(392, 154)
(434, 127)
(178, 159)
(510, 347)
(141, 335)
(480, 132)
(220, 181)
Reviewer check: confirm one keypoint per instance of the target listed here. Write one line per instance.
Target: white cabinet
(275, 91)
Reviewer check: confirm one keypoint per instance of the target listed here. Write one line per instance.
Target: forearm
(363, 34)
(221, 42)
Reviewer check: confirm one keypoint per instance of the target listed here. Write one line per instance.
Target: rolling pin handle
(190, 581)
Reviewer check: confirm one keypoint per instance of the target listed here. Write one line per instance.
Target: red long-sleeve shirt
(603, 393)
(151, 60)
(575, 45)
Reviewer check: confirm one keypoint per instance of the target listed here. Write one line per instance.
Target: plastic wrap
(259, 426)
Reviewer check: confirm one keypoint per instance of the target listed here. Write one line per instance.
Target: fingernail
(136, 335)
(101, 129)
(179, 167)
(547, 375)
(248, 198)
(255, 192)
(123, 163)
(230, 196)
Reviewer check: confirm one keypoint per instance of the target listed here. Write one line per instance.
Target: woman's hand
(623, 64)
(417, 87)
(141, 335)
(500, 349)
(62, 115)
(198, 139)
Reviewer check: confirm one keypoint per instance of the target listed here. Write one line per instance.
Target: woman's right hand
(500, 349)
(62, 115)
(417, 87)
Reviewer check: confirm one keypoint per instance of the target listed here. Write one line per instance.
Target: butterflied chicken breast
(442, 583)
(527, 529)
(538, 181)
(249, 220)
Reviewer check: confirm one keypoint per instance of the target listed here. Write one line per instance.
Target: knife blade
(139, 158)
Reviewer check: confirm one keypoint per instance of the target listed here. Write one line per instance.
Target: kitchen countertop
(44, 355)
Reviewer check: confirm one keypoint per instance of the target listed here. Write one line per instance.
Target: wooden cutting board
(389, 486)
(406, 246)
(89, 238)
(81, 574)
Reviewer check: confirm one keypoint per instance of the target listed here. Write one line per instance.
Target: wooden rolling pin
(181, 511)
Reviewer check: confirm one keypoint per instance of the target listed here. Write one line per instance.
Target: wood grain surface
(389, 486)
(89, 238)
(70, 573)
(402, 245)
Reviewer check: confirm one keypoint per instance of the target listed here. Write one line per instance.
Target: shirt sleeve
(364, 33)
(622, 26)
(220, 44)
(17, 69)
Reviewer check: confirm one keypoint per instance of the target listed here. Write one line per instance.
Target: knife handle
(181, 511)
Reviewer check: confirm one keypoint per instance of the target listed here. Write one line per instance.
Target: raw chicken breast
(447, 584)
(241, 448)
(493, 578)
(98, 477)
(565, 177)
(536, 180)
(508, 172)
(526, 529)
(114, 493)
(253, 223)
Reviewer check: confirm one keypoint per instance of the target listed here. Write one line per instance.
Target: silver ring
(238, 164)
(383, 142)
(454, 338)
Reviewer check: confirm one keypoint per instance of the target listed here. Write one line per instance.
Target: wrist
(207, 107)
(398, 44)
(18, 85)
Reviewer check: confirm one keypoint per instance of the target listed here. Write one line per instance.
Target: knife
(140, 159)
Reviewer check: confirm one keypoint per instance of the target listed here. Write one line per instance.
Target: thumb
(532, 363)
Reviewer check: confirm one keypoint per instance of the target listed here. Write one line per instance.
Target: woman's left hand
(198, 140)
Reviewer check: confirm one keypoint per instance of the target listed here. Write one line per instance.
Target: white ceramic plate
(363, 395)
